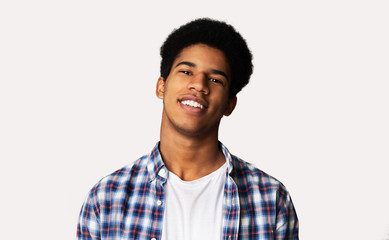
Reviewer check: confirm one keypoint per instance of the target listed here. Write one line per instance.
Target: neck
(190, 157)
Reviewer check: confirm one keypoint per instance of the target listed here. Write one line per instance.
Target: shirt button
(159, 202)
(153, 239)
(163, 171)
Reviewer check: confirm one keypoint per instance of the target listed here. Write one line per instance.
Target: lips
(194, 102)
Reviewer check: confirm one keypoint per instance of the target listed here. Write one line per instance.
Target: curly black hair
(216, 34)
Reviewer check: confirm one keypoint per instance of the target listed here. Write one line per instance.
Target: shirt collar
(155, 164)
(227, 154)
(156, 167)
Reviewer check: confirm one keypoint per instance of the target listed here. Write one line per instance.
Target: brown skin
(189, 135)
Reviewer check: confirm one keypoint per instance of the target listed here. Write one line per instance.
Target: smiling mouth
(191, 103)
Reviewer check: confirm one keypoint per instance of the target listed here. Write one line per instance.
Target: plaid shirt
(129, 203)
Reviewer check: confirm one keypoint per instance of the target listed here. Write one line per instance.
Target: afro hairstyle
(215, 34)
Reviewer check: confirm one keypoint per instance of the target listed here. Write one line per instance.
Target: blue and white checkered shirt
(129, 203)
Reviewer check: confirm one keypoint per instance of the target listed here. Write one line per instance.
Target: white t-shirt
(193, 209)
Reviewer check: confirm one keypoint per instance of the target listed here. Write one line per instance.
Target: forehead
(205, 57)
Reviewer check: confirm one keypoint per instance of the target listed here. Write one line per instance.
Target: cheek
(171, 91)
(174, 88)
(221, 104)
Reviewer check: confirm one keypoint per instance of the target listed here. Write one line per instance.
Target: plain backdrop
(77, 102)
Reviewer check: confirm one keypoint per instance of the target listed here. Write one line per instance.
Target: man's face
(196, 92)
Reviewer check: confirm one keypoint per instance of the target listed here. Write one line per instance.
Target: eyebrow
(214, 71)
(190, 64)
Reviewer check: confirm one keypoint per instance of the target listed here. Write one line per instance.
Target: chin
(191, 132)
(195, 131)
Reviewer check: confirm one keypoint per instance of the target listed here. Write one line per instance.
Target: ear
(160, 89)
(230, 106)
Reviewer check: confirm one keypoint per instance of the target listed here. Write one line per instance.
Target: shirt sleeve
(88, 227)
(287, 225)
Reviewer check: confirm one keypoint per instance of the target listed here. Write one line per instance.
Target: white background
(77, 102)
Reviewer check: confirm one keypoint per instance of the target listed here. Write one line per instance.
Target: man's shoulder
(122, 177)
(247, 176)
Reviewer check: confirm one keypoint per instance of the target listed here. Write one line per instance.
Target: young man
(190, 186)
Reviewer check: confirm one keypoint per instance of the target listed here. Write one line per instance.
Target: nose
(199, 83)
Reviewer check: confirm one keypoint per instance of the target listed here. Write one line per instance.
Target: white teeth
(192, 104)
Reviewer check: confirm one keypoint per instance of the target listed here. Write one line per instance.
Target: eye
(216, 81)
(186, 72)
